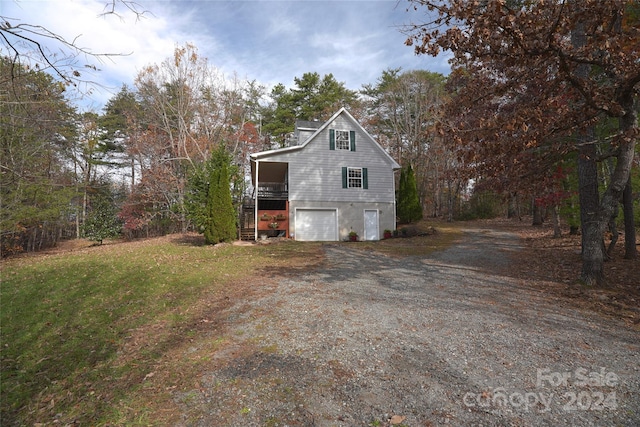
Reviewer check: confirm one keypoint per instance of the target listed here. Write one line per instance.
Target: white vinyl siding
(315, 172)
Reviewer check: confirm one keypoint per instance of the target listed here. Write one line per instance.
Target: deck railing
(273, 190)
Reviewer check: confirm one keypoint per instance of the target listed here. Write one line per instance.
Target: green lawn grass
(440, 235)
(66, 318)
(103, 335)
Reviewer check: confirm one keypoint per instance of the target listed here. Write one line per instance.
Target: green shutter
(344, 177)
(352, 140)
(365, 181)
(332, 139)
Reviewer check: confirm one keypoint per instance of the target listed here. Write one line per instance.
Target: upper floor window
(342, 140)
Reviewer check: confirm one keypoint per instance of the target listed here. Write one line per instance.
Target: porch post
(255, 214)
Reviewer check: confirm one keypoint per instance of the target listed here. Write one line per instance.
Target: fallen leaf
(397, 419)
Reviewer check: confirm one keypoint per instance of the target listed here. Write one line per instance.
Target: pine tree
(220, 222)
(312, 98)
(409, 207)
(208, 199)
(102, 220)
(402, 184)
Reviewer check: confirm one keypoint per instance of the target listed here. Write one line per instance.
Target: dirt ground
(493, 331)
(553, 265)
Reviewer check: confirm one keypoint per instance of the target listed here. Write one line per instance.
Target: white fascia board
(268, 153)
(394, 164)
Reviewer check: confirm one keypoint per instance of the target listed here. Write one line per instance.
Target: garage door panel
(316, 225)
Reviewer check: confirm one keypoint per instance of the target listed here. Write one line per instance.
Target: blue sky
(270, 41)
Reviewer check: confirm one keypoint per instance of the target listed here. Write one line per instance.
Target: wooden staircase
(247, 222)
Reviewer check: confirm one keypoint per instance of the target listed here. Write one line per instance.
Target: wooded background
(538, 117)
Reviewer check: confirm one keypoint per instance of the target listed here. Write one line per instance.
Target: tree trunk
(133, 174)
(557, 232)
(627, 122)
(630, 251)
(513, 210)
(83, 213)
(613, 229)
(592, 230)
(595, 220)
(537, 214)
(592, 255)
(450, 201)
(77, 223)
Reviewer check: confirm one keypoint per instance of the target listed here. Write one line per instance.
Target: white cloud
(281, 24)
(269, 41)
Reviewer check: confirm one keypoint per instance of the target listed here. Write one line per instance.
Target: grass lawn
(107, 335)
(85, 332)
(430, 236)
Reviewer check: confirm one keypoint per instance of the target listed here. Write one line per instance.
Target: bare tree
(31, 45)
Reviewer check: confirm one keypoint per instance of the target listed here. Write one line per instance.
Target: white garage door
(317, 225)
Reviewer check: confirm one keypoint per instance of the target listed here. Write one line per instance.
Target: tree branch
(22, 41)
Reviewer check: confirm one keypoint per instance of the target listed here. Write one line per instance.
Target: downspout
(395, 214)
(255, 214)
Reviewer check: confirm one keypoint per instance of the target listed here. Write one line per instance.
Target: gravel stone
(450, 339)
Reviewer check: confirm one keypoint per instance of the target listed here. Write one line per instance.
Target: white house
(337, 179)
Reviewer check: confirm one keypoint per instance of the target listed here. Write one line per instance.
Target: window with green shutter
(342, 140)
(355, 178)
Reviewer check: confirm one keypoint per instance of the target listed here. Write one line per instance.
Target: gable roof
(266, 154)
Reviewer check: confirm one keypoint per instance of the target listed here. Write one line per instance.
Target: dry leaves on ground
(554, 264)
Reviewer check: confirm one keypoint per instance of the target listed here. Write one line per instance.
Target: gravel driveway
(371, 340)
